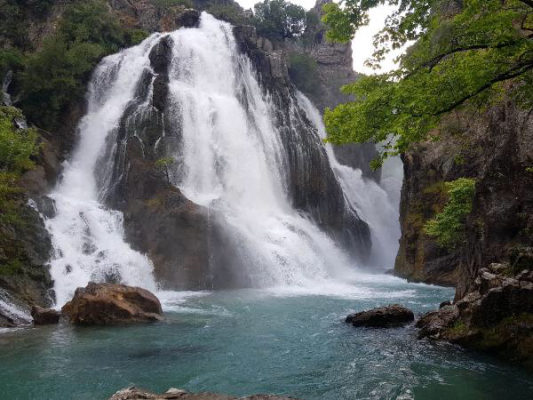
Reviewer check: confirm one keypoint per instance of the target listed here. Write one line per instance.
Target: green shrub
(10, 59)
(226, 13)
(17, 146)
(57, 75)
(303, 72)
(447, 227)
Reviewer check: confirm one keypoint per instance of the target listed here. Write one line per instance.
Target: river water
(284, 341)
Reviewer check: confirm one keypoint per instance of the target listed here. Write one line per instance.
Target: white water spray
(376, 204)
(88, 238)
(233, 160)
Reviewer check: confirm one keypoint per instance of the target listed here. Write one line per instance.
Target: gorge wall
(494, 148)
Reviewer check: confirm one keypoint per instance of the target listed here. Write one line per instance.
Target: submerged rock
(108, 304)
(382, 317)
(134, 393)
(44, 316)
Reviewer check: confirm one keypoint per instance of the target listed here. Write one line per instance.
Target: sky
(362, 43)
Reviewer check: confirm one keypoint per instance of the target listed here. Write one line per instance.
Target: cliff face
(334, 69)
(492, 267)
(495, 148)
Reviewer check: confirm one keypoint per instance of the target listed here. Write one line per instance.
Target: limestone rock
(108, 304)
(382, 317)
(134, 393)
(44, 316)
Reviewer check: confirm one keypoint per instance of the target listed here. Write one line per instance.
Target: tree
(56, 76)
(466, 54)
(278, 19)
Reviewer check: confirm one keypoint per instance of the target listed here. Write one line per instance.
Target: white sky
(362, 43)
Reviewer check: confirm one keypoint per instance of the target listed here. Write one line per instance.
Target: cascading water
(376, 204)
(88, 238)
(231, 158)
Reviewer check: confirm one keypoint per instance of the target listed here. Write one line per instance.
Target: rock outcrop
(389, 316)
(495, 316)
(44, 316)
(109, 304)
(496, 149)
(134, 393)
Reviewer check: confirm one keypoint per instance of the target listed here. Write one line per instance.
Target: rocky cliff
(492, 147)
(492, 262)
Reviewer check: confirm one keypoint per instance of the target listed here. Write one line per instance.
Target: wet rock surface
(390, 316)
(494, 148)
(44, 316)
(110, 304)
(496, 316)
(134, 393)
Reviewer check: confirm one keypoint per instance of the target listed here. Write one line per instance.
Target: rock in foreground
(382, 317)
(133, 393)
(44, 316)
(109, 304)
(495, 316)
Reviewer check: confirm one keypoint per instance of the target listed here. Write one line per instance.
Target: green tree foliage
(303, 72)
(467, 54)
(279, 19)
(56, 76)
(17, 146)
(10, 59)
(227, 13)
(448, 226)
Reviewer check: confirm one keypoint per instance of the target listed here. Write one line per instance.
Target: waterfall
(233, 160)
(234, 151)
(377, 204)
(87, 237)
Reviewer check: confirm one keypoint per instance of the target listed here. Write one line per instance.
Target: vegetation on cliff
(466, 54)
(279, 19)
(448, 226)
(57, 74)
(17, 146)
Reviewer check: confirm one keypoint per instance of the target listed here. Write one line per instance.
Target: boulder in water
(108, 304)
(44, 316)
(134, 393)
(382, 317)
